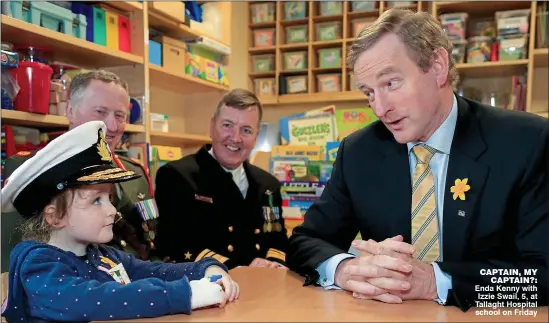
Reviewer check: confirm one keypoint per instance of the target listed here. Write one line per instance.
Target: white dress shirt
(441, 140)
(239, 176)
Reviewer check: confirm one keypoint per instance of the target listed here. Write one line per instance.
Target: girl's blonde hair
(36, 228)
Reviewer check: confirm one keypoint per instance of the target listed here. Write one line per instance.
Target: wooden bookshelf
(312, 45)
(66, 48)
(531, 66)
(177, 95)
(20, 118)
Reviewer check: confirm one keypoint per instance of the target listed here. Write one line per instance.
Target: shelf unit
(534, 66)
(180, 96)
(312, 20)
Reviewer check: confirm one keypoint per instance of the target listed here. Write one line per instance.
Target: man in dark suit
(216, 204)
(446, 191)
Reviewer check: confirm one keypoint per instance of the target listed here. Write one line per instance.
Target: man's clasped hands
(386, 271)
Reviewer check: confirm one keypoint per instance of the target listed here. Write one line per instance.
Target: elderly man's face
(234, 134)
(107, 102)
(405, 98)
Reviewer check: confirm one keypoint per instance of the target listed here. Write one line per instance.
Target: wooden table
(278, 295)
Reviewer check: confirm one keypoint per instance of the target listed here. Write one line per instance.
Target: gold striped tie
(425, 237)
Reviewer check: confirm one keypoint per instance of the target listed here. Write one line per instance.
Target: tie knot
(423, 153)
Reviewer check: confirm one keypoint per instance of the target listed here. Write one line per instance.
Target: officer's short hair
(81, 81)
(240, 99)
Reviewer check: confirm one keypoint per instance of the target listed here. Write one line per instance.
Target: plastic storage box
(454, 24)
(513, 22)
(297, 34)
(362, 6)
(513, 48)
(112, 30)
(479, 49)
(264, 37)
(295, 61)
(328, 31)
(262, 12)
(79, 26)
(295, 10)
(328, 82)
(360, 23)
(396, 4)
(330, 8)
(124, 39)
(99, 27)
(265, 86)
(263, 63)
(296, 84)
(329, 57)
(155, 53)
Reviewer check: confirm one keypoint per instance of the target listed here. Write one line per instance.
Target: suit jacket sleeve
(531, 251)
(277, 242)
(177, 222)
(329, 226)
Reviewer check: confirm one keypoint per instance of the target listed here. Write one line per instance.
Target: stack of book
(309, 144)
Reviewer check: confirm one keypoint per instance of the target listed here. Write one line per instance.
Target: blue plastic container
(155, 53)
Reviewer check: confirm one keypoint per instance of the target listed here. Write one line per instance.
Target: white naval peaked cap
(80, 156)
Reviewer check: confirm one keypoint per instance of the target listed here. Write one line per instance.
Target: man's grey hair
(420, 32)
(81, 81)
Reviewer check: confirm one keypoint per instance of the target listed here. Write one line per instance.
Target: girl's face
(90, 216)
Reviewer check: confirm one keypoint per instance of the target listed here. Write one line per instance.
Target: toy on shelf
(10, 88)
(194, 66)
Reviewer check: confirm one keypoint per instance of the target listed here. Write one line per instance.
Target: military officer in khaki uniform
(216, 204)
(102, 95)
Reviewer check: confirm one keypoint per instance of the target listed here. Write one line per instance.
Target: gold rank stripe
(203, 254)
(208, 253)
(220, 258)
(274, 253)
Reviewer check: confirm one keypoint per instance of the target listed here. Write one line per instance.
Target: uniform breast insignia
(267, 224)
(140, 196)
(271, 215)
(203, 198)
(149, 213)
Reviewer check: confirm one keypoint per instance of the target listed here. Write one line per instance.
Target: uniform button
(230, 248)
(123, 243)
(257, 246)
(231, 228)
(257, 231)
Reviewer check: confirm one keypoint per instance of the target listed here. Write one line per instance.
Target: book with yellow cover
(316, 131)
(311, 152)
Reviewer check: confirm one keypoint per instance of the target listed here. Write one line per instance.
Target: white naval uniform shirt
(239, 176)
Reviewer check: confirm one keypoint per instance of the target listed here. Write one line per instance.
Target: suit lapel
(467, 146)
(395, 181)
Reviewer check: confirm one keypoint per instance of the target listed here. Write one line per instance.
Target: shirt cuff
(443, 282)
(327, 269)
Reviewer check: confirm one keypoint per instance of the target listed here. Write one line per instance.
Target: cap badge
(103, 147)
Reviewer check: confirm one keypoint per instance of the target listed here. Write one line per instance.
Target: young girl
(64, 273)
